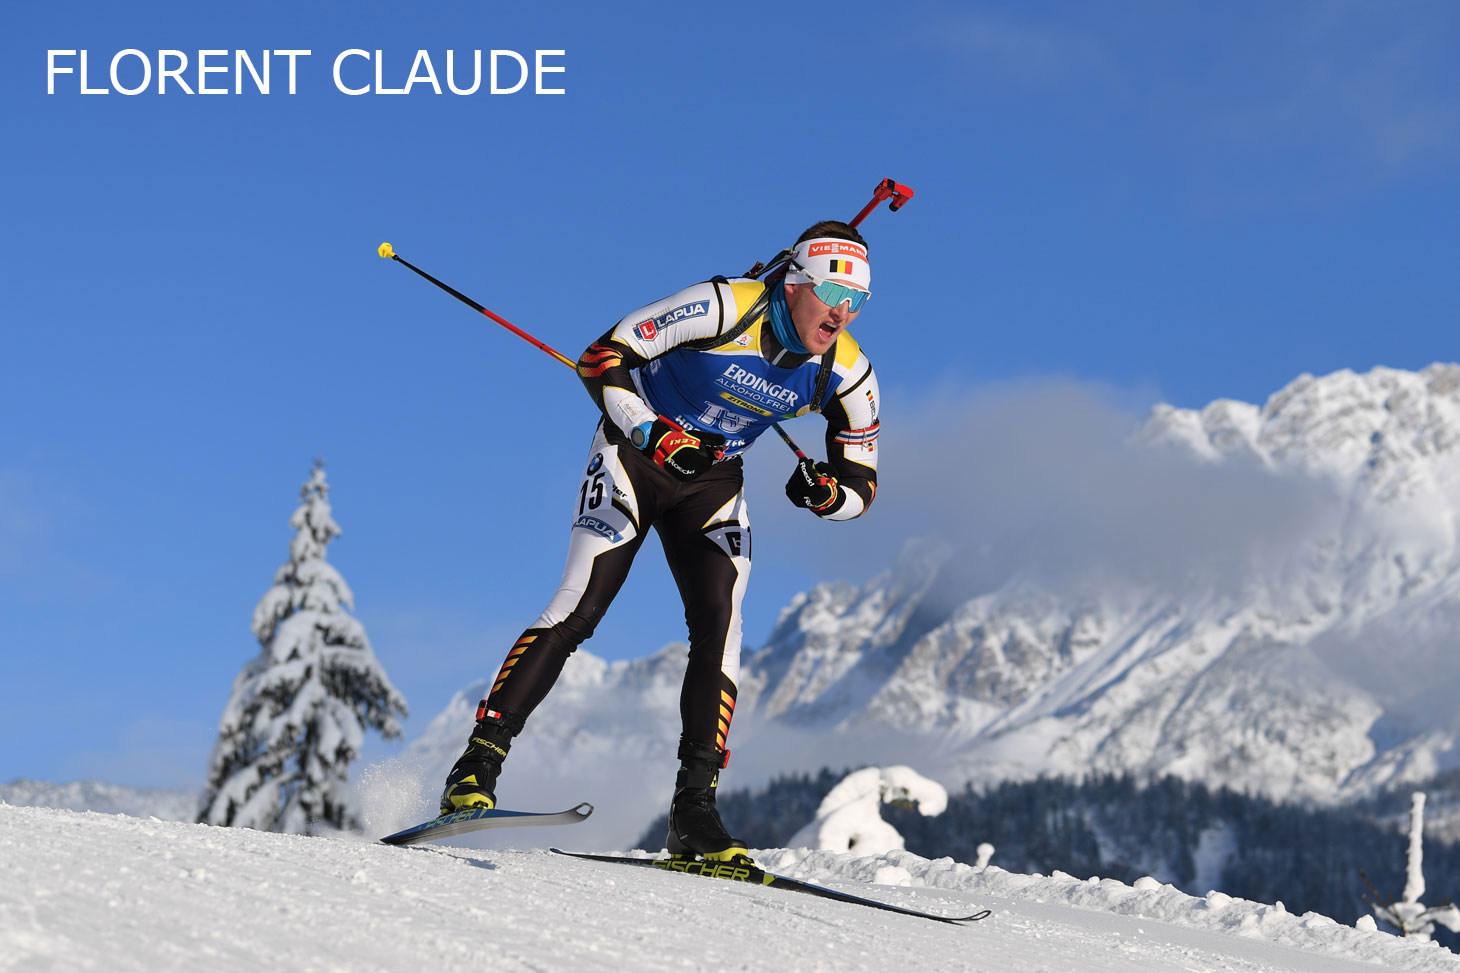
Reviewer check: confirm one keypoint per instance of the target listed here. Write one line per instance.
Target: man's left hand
(813, 485)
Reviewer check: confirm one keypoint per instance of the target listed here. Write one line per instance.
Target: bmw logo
(597, 463)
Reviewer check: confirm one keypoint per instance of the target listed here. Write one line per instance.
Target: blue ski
(478, 819)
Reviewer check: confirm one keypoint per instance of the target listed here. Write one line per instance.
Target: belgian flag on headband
(841, 267)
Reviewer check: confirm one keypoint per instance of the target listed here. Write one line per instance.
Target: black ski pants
(706, 536)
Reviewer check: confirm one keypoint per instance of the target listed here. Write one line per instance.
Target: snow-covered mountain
(1299, 644)
(1324, 669)
(166, 804)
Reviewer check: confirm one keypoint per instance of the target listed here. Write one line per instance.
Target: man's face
(816, 324)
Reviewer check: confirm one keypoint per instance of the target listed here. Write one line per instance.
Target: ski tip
(385, 250)
(583, 810)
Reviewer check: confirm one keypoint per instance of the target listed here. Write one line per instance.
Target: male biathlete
(685, 385)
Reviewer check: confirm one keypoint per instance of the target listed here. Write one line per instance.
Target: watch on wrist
(639, 435)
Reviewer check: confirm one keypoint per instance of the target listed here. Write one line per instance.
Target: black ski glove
(681, 453)
(813, 485)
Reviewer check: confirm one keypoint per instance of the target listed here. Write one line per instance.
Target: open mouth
(826, 330)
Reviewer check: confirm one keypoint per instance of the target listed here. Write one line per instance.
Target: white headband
(830, 258)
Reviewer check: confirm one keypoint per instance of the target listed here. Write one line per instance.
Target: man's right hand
(681, 453)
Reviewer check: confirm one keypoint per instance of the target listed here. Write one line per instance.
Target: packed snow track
(94, 891)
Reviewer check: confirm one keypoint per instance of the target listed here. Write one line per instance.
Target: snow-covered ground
(93, 891)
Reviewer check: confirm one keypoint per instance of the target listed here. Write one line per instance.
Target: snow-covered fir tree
(299, 710)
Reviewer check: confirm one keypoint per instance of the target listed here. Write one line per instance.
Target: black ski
(479, 818)
(745, 871)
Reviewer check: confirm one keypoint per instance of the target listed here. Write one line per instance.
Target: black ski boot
(473, 781)
(695, 827)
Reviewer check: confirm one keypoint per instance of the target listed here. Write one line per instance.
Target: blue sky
(1153, 201)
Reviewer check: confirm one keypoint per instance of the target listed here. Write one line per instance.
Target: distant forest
(1120, 827)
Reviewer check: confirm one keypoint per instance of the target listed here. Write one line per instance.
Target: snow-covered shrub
(1409, 915)
(849, 818)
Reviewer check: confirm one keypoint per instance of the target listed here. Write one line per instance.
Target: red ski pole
(387, 251)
